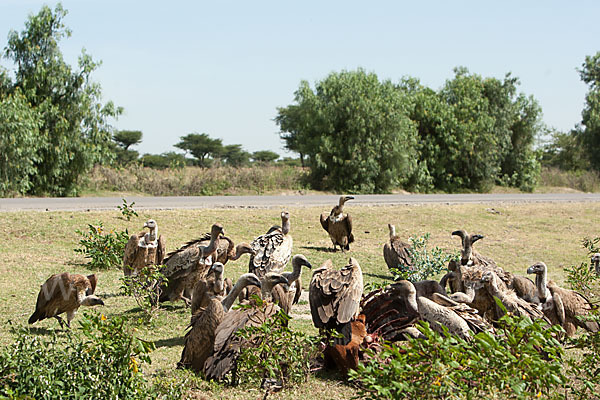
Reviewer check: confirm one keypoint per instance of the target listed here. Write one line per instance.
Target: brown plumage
(562, 306)
(335, 295)
(453, 278)
(199, 340)
(513, 303)
(339, 225)
(346, 356)
(213, 285)
(227, 250)
(428, 287)
(396, 252)
(144, 249)
(227, 344)
(293, 289)
(188, 264)
(595, 263)
(65, 293)
(272, 250)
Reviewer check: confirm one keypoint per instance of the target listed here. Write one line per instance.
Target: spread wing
(335, 295)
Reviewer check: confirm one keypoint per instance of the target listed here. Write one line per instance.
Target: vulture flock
(463, 302)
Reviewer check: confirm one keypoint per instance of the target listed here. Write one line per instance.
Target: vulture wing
(131, 249)
(161, 251)
(325, 221)
(348, 222)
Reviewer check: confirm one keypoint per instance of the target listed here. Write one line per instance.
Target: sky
(224, 67)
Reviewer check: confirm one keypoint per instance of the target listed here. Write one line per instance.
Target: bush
(275, 352)
(521, 361)
(105, 250)
(145, 290)
(425, 262)
(101, 360)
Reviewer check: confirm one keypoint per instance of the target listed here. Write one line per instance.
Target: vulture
(226, 250)
(453, 278)
(65, 293)
(334, 295)
(199, 340)
(513, 303)
(595, 261)
(273, 250)
(562, 306)
(396, 252)
(188, 264)
(339, 225)
(428, 287)
(288, 295)
(227, 344)
(144, 249)
(212, 285)
(468, 256)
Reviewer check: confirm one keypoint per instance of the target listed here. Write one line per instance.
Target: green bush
(100, 360)
(105, 250)
(274, 351)
(127, 210)
(425, 262)
(522, 360)
(144, 288)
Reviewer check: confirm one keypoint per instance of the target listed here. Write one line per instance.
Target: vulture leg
(61, 322)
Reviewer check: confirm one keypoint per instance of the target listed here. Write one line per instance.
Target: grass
(37, 244)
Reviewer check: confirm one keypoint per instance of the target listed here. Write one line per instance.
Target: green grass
(35, 245)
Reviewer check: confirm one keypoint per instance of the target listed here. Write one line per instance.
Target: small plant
(583, 369)
(145, 289)
(127, 210)
(104, 249)
(522, 360)
(582, 279)
(274, 352)
(100, 360)
(591, 244)
(425, 262)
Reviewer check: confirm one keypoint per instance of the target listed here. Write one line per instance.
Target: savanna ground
(35, 245)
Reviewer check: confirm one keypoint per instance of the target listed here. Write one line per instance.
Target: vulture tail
(34, 317)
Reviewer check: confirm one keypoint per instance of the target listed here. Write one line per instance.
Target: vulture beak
(145, 224)
(531, 270)
(475, 238)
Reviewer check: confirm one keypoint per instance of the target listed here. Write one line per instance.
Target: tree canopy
(73, 130)
(201, 146)
(590, 74)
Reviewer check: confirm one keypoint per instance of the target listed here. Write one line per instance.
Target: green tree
(201, 146)
(235, 156)
(590, 74)
(19, 124)
(565, 151)
(74, 131)
(264, 156)
(355, 132)
(126, 139)
(164, 160)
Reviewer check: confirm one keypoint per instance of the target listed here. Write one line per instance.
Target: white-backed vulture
(453, 278)
(199, 340)
(513, 303)
(396, 252)
(334, 295)
(212, 285)
(339, 225)
(143, 249)
(227, 250)
(294, 286)
(428, 287)
(272, 250)
(227, 344)
(65, 293)
(595, 262)
(186, 265)
(562, 306)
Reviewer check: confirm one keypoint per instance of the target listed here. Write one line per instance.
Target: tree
(74, 132)
(264, 156)
(355, 132)
(19, 124)
(201, 146)
(590, 74)
(235, 156)
(126, 139)
(162, 161)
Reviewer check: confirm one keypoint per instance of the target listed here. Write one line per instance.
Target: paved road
(195, 202)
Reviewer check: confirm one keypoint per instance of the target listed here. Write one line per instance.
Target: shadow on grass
(45, 331)
(171, 342)
(387, 277)
(319, 248)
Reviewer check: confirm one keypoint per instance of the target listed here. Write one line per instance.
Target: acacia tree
(354, 130)
(74, 132)
(201, 146)
(235, 156)
(265, 156)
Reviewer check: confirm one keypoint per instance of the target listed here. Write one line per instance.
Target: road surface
(282, 201)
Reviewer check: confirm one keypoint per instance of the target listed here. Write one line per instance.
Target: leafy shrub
(275, 352)
(144, 288)
(522, 360)
(105, 250)
(425, 262)
(101, 360)
(127, 210)
(583, 369)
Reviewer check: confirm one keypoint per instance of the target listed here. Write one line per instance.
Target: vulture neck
(411, 301)
(296, 271)
(151, 236)
(219, 283)
(285, 226)
(467, 251)
(212, 245)
(239, 251)
(392, 231)
(541, 282)
(235, 292)
(492, 288)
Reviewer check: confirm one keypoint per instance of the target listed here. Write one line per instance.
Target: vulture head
(216, 230)
(538, 268)
(270, 280)
(300, 260)
(217, 269)
(244, 248)
(467, 242)
(595, 260)
(92, 300)
(150, 224)
(344, 199)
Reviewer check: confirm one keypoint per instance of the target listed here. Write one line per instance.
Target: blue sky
(224, 67)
